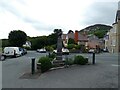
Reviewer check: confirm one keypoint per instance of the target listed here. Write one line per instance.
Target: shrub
(49, 48)
(45, 63)
(80, 60)
(71, 46)
(71, 41)
(54, 46)
(86, 60)
(78, 47)
(52, 55)
(74, 50)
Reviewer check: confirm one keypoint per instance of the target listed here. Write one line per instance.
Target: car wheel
(2, 58)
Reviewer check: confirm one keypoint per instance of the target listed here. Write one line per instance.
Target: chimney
(76, 36)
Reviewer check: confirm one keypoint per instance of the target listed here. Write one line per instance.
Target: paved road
(104, 74)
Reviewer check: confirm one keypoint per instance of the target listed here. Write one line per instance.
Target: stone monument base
(58, 63)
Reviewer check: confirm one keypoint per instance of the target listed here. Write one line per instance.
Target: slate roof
(82, 37)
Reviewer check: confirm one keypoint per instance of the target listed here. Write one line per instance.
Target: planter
(39, 67)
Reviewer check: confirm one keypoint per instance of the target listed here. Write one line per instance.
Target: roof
(92, 45)
(82, 37)
(93, 37)
(71, 35)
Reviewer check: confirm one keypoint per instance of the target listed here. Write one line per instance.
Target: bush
(54, 46)
(49, 48)
(52, 55)
(71, 41)
(78, 47)
(71, 46)
(74, 50)
(80, 60)
(45, 63)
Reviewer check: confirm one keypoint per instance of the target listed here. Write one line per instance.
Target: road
(104, 74)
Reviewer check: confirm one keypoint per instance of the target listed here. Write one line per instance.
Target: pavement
(104, 74)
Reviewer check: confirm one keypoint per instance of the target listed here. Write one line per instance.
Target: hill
(98, 29)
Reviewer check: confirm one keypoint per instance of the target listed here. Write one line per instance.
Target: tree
(100, 34)
(17, 38)
(71, 46)
(71, 41)
(38, 42)
(52, 38)
(70, 31)
(5, 43)
(56, 31)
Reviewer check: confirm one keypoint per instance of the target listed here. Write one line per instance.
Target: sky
(41, 17)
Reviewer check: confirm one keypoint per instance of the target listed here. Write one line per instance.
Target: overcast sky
(41, 17)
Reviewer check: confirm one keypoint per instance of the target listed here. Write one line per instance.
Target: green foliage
(43, 41)
(100, 33)
(56, 31)
(52, 55)
(83, 49)
(5, 43)
(45, 63)
(54, 46)
(98, 29)
(78, 47)
(71, 41)
(17, 38)
(73, 50)
(49, 48)
(71, 46)
(38, 42)
(52, 39)
(86, 60)
(80, 60)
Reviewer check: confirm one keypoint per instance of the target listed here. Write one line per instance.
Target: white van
(12, 51)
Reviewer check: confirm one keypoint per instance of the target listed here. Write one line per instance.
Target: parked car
(2, 57)
(24, 51)
(12, 51)
(43, 50)
(64, 51)
(91, 51)
(105, 50)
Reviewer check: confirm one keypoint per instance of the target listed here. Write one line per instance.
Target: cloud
(12, 18)
(37, 24)
(101, 12)
(7, 7)
(41, 17)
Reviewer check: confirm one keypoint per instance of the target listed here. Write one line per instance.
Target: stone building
(113, 42)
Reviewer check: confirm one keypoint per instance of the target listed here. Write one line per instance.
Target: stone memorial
(59, 60)
(59, 47)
